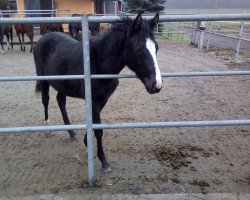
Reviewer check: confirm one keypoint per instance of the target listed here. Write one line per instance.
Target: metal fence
(89, 126)
(210, 35)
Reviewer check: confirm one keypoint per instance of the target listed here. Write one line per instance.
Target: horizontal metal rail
(173, 124)
(109, 76)
(163, 18)
(5, 14)
(213, 33)
(11, 11)
(229, 36)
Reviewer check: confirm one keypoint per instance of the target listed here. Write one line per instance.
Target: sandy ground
(174, 160)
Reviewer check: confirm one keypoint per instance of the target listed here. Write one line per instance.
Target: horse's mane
(115, 35)
(125, 22)
(119, 32)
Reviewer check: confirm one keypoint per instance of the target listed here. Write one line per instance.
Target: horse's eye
(138, 50)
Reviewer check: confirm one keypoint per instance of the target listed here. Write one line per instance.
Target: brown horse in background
(27, 29)
(75, 28)
(54, 27)
(8, 32)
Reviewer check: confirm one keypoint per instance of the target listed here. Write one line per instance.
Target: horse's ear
(154, 22)
(137, 22)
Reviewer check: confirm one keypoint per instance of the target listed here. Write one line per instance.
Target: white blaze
(151, 48)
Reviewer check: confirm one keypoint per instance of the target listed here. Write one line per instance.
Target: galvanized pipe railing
(109, 19)
(109, 76)
(173, 124)
(89, 125)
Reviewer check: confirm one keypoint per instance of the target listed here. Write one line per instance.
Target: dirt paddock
(174, 160)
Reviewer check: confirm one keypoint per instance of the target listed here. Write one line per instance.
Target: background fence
(89, 126)
(218, 35)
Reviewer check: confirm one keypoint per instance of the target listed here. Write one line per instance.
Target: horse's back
(54, 41)
(53, 49)
(57, 53)
(24, 28)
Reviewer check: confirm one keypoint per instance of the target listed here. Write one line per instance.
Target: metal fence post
(88, 98)
(193, 34)
(239, 41)
(2, 33)
(209, 33)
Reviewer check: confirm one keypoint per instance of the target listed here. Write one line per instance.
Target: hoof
(107, 170)
(85, 141)
(72, 136)
(46, 122)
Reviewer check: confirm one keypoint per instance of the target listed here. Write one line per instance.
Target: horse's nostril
(154, 86)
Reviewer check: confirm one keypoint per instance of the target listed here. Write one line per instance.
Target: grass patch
(170, 31)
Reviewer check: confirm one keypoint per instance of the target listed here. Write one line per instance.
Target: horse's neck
(113, 54)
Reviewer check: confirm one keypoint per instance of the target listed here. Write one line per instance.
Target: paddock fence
(230, 36)
(89, 126)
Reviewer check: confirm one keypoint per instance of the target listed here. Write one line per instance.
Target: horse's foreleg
(31, 44)
(11, 38)
(23, 41)
(2, 49)
(98, 134)
(61, 99)
(1, 43)
(8, 41)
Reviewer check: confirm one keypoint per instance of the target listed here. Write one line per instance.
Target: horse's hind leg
(2, 49)
(31, 44)
(45, 99)
(31, 36)
(1, 41)
(23, 41)
(61, 99)
(20, 42)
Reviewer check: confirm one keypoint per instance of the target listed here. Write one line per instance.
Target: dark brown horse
(54, 27)
(7, 31)
(27, 29)
(75, 28)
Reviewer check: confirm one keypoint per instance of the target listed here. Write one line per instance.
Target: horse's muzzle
(152, 89)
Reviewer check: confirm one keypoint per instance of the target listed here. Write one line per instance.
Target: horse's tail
(39, 70)
(38, 87)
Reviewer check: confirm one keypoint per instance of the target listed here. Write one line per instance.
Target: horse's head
(74, 30)
(142, 50)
